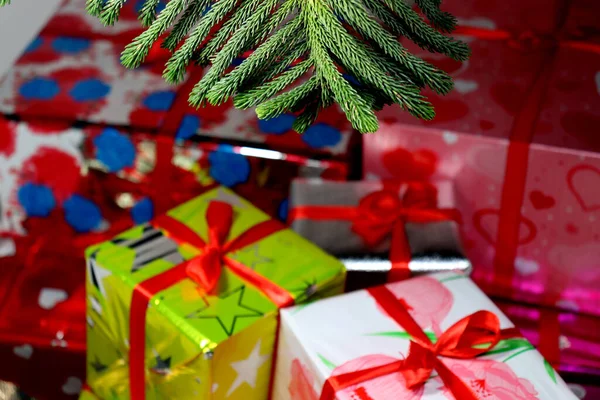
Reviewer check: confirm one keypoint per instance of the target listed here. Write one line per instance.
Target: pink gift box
(72, 78)
(529, 211)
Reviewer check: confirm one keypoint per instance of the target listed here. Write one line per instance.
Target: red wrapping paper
(72, 19)
(76, 78)
(553, 258)
(331, 136)
(261, 176)
(541, 16)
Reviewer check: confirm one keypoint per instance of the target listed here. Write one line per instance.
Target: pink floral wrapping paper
(317, 341)
(73, 78)
(557, 259)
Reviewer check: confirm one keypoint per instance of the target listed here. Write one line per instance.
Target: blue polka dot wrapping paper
(72, 19)
(331, 136)
(73, 78)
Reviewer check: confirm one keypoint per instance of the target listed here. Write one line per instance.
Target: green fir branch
(234, 46)
(111, 11)
(177, 64)
(305, 55)
(443, 21)
(94, 7)
(233, 24)
(182, 27)
(138, 50)
(148, 12)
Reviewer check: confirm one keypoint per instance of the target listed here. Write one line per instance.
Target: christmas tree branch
(304, 55)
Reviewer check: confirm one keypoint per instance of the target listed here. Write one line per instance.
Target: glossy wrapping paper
(422, 237)
(92, 176)
(518, 139)
(198, 343)
(72, 78)
(568, 340)
(330, 137)
(261, 176)
(318, 341)
(71, 18)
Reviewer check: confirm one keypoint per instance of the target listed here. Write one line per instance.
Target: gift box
(85, 177)
(72, 19)
(569, 341)
(383, 348)
(261, 176)
(331, 136)
(71, 78)
(517, 139)
(174, 317)
(41, 165)
(384, 230)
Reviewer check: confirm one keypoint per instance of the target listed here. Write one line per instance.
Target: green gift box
(187, 305)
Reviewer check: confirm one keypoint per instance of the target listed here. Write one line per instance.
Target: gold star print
(226, 310)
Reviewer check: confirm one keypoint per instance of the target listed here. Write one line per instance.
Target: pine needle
(305, 55)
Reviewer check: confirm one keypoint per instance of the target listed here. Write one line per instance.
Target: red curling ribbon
(382, 214)
(204, 269)
(458, 341)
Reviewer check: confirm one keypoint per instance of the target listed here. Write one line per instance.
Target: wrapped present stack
(153, 250)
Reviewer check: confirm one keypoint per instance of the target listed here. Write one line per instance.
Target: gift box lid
(206, 319)
(360, 331)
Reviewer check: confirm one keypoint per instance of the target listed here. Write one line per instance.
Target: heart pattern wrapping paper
(318, 341)
(529, 212)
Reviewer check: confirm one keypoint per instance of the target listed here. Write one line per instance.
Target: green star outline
(241, 290)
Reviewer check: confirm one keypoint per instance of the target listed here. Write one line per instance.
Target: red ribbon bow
(204, 269)
(458, 341)
(382, 214)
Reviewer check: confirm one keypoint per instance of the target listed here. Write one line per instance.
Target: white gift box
(353, 332)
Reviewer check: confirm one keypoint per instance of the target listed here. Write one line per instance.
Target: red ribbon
(383, 214)
(204, 269)
(458, 341)
(517, 159)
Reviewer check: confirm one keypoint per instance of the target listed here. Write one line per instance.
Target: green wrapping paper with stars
(196, 342)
